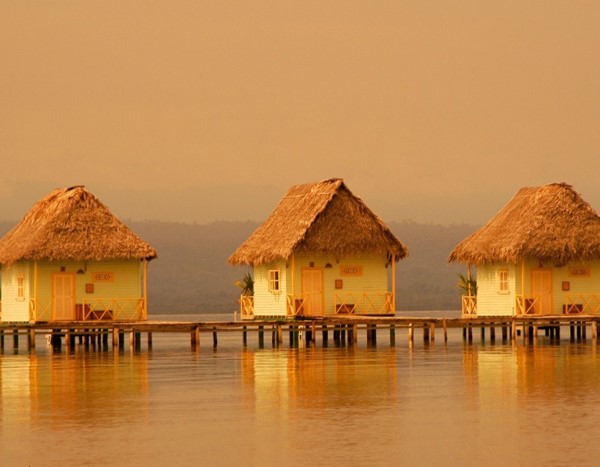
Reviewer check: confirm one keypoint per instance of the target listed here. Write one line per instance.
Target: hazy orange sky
(432, 111)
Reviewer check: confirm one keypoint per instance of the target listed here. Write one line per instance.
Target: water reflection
(404, 405)
(78, 395)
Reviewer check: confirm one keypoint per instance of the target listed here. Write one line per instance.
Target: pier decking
(338, 329)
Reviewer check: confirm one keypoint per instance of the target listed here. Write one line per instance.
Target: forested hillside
(191, 273)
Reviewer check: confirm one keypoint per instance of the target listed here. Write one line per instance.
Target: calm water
(442, 404)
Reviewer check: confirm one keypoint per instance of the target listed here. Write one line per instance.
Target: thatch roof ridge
(71, 224)
(551, 223)
(297, 224)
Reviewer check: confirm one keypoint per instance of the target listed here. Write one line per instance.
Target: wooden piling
(31, 340)
(325, 334)
(115, 337)
(195, 338)
(215, 338)
(492, 333)
(410, 333)
(425, 333)
(279, 335)
(392, 335)
(432, 331)
(513, 331)
(261, 336)
(445, 325)
(16, 339)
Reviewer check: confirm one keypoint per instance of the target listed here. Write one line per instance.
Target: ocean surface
(427, 404)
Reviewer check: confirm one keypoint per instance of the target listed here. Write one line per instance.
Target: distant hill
(191, 273)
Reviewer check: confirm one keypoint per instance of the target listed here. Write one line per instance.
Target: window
(503, 281)
(20, 287)
(274, 280)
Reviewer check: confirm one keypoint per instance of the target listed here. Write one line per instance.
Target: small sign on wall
(103, 277)
(580, 272)
(351, 270)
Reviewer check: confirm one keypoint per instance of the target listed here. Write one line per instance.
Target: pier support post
(594, 331)
(279, 335)
(261, 336)
(445, 325)
(411, 337)
(325, 335)
(2, 340)
(425, 333)
(354, 334)
(392, 335)
(432, 331)
(195, 338)
(244, 336)
(15, 339)
(513, 331)
(482, 332)
(215, 338)
(31, 339)
(492, 333)
(115, 337)
(504, 333)
(149, 340)
(67, 339)
(336, 334)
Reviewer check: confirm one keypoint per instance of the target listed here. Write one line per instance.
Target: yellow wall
(374, 280)
(491, 303)
(126, 284)
(270, 303)
(13, 308)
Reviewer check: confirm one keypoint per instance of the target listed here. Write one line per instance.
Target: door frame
(322, 284)
(548, 273)
(53, 296)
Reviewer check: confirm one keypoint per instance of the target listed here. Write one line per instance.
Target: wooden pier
(340, 330)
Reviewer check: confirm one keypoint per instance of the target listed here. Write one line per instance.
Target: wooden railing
(526, 305)
(587, 304)
(363, 303)
(297, 305)
(247, 306)
(40, 310)
(469, 306)
(117, 309)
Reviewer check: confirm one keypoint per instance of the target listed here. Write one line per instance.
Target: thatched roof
(551, 223)
(71, 224)
(319, 218)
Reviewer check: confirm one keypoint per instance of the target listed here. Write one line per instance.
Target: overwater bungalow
(540, 255)
(321, 252)
(71, 259)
